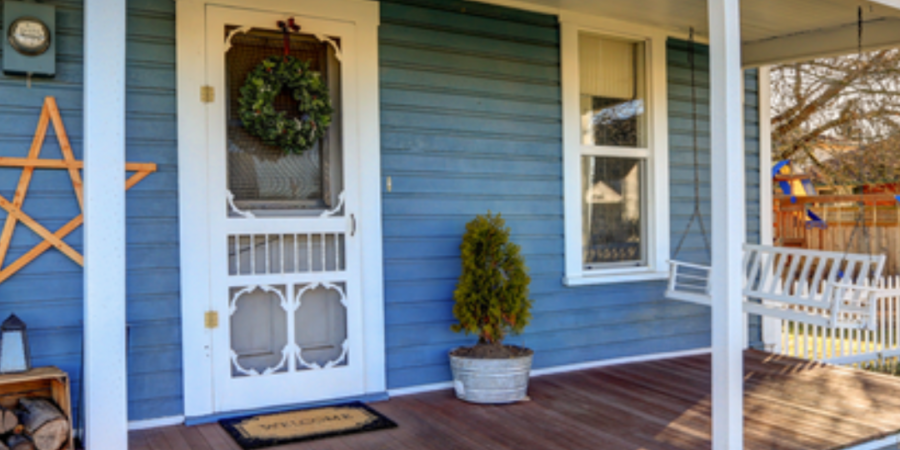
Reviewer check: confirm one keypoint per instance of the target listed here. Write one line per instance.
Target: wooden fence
(852, 223)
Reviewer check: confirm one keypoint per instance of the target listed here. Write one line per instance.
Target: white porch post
(105, 384)
(728, 223)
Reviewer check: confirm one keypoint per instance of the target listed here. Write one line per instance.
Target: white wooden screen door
(284, 259)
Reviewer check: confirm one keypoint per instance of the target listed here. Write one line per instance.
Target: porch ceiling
(772, 30)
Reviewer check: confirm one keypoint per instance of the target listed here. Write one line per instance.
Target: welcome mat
(269, 430)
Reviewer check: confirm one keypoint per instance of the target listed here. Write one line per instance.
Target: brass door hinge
(207, 94)
(211, 319)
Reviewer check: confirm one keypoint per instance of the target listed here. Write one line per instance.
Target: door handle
(352, 225)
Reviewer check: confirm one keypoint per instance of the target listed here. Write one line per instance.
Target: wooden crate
(42, 382)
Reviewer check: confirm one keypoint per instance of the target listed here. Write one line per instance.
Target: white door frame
(193, 179)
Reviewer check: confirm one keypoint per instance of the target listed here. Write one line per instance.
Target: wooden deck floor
(789, 404)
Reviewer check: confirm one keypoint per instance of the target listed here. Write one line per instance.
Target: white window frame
(656, 154)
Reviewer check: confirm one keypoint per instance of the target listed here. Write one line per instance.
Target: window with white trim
(613, 222)
(613, 121)
(615, 141)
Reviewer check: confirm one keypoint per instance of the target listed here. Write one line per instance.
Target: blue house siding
(681, 158)
(47, 294)
(471, 122)
(154, 306)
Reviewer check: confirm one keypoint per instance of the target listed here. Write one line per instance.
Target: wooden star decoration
(49, 113)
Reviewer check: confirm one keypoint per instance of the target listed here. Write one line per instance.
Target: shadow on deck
(789, 404)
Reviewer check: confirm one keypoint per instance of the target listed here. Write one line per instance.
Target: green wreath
(257, 104)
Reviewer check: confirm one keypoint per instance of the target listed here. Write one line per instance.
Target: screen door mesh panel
(320, 326)
(259, 330)
(262, 176)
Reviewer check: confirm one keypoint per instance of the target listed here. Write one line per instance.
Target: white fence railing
(846, 346)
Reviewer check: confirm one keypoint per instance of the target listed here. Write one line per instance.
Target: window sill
(614, 278)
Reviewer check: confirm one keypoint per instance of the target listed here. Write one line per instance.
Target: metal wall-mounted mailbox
(29, 39)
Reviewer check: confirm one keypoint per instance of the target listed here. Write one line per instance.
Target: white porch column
(728, 223)
(105, 384)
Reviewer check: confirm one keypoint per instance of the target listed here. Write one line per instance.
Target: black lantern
(14, 353)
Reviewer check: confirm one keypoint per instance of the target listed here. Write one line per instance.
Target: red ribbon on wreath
(287, 27)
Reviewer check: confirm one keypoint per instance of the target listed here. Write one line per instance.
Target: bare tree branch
(830, 106)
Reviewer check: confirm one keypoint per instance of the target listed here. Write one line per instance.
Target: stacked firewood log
(35, 424)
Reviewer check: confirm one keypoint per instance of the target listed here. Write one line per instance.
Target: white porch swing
(829, 289)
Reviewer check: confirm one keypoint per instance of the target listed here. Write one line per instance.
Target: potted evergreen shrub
(491, 303)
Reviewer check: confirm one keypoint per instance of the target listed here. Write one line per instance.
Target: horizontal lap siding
(471, 122)
(154, 307)
(681, 160)
(47, 294)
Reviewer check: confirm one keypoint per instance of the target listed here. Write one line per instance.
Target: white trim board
(824, 42)
(798, 46)
(888, 443)
(522, 5)
(561, 369)
(584, 17)
(137, 425)
(765, 156)
(892, 3)
(771, 326)
(193, 181)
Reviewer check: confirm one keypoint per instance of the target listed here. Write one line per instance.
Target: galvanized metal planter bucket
(491, 380)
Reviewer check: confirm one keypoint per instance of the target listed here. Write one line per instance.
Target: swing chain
(697, 214)
(860, 222)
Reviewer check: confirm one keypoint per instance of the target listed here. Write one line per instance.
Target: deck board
(789, 404)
